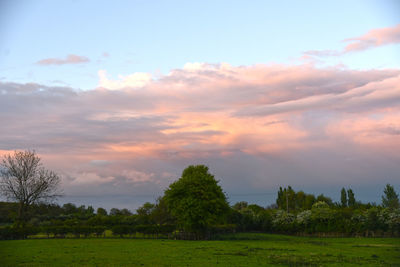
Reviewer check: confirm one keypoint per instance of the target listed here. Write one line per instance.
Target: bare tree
(24, 179)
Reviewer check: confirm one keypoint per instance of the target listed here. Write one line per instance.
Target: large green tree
(196, 200)
(390, 199)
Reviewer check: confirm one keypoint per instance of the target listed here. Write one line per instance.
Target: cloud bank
(257, 127)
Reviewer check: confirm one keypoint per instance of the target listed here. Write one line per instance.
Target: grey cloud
(390, 130)
(354, 99)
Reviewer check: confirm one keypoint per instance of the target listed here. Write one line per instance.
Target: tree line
(193, 207)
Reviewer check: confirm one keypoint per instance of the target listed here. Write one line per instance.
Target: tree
(69, 208)
(115, 212)
(351, 200)
(321, 216)
(118, 212)
(240, 205)
(309, 201)
(196, 200)
(125, 212)
(101, 211)
(390, 199)
(24, 179)
(144, 213)
(160, 213)
(286, 199)
(343, 197)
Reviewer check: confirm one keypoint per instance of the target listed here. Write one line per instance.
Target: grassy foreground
(263, 249)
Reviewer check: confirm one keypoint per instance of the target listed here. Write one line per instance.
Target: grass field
(261, 249)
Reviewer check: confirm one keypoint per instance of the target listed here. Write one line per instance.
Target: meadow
(244, 249)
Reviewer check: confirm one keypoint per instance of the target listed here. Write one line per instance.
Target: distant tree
(115, 212)
(309, 201)
(125, 212)
(300, 200)
(281, 198)
(286, 199)
(372, 222)
(343, 197)
(291, 198)
(303, 219)
(8, 210)
(283, 221)
(271, 206)
(146, 209)
(196, 200)
(90, 210)
(101, 211)
(144, 213)
(321, 216)
(160, 213)
(325, 199)
(351, 200)
(24, 179)
(390, 199)
(69, 208)
(240, 205)
(81, 211)
(256, 209)
(291, 201)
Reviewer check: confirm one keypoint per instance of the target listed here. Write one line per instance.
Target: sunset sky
(119, 97)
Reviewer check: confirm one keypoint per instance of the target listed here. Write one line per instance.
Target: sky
(119, 97)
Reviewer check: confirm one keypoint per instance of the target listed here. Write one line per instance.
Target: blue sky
(157, 36)
(119, 97)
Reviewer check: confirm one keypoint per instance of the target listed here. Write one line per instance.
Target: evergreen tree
(351, 200)
(390, 199)
(343, 197)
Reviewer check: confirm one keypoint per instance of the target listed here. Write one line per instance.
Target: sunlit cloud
(129, 132)
(135, 80)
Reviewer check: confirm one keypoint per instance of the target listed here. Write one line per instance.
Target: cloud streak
(70, 59)
(372, 39)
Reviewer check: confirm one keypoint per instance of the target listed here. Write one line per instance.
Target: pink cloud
(379, 131)
(322, 53)
(70, 59)
(374, 38)
(202, 113)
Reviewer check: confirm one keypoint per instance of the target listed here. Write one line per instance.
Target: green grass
(262, 249)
